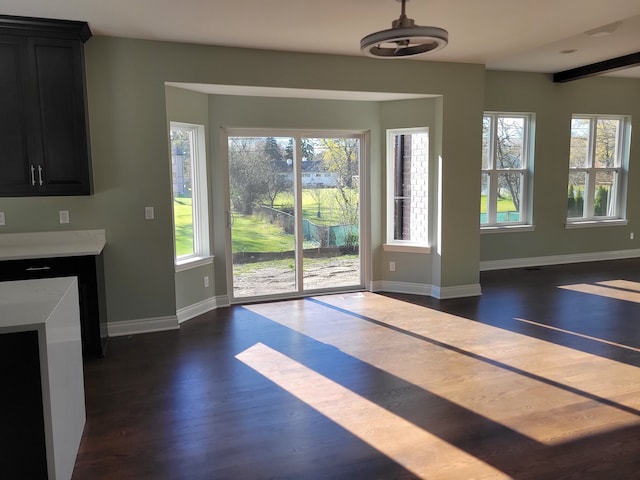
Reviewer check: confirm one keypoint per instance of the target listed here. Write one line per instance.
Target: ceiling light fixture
(404, 39)
(604, 30)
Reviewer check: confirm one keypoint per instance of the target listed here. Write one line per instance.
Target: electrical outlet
(392, 266)
(64, 216)
(149, 214)
(1, 218)
(206, 282)
(631, 236)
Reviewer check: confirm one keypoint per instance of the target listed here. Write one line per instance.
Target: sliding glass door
(294, 222)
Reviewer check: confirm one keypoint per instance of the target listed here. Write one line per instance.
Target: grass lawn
(183, 213)
(252, 234)
(330, 211)
(504, 205)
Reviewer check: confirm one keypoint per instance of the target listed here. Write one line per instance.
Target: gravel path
(274, 278)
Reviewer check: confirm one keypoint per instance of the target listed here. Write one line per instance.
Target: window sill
(507, 229)
(596, 223)
(192, 262)
(406, 248)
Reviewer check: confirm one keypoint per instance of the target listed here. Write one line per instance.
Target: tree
(571, 202)
(272, 149)
(509, 146)
(257, 171)
(341, 156)
(276, 181)
(579, 204)
(275, 177)
(307, 150)
(181, 157)
(606, 142)
(601, 201)
(248, 173)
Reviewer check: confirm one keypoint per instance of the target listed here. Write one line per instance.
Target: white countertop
(71, 243)
(50, 306)
(29, 303)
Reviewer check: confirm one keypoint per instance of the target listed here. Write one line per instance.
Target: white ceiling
(526, 35)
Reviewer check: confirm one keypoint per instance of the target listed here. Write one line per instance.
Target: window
(598, 157)
(506, 163)
(407, 187)
(189, 186)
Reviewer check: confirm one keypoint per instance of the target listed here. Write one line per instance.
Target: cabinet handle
(40, 174)
(37, 269)
(33, 175)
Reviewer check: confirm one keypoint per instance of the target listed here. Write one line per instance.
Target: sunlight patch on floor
(611, 289)
(624, 284)
(410, 446)
(545, 391)
(576, 334)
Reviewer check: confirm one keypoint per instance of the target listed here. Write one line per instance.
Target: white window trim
(606, 222)
(516, 228)
(193, 262)
(406, 247)
(393, 245)
(526, 222)
(200, 202)
(624, 141)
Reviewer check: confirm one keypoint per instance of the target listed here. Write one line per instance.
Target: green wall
(192, 107)
(553, 105)
(281, 113)
(410, 267)
(128, 125)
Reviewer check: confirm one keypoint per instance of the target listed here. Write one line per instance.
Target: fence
(323, 235)
(502, 217)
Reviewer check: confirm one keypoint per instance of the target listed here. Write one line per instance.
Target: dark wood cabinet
(23, 451)
(90, 272)
(44, 146)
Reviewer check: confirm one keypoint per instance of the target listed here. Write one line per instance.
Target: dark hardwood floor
(538, 378)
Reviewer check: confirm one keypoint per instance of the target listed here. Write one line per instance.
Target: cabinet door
(57, 67)
(15, 173)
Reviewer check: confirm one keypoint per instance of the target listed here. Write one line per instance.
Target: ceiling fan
(404, 39)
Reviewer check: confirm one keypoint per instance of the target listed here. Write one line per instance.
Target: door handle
(33, 176)
(40, 174)
(37, 269)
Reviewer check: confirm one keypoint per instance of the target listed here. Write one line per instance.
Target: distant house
(315, 175)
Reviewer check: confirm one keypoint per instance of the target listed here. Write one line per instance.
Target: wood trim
(611, 65)
(46, 26)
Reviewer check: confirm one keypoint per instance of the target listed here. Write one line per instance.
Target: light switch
(64, 216)
(149, 213)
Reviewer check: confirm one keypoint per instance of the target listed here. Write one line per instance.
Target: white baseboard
(458, 291)
(222, 301)
(428, 290)
(159, 324)
(187, 313)
(401, 287)
(143, 325)
(192, 311)
(558, 259)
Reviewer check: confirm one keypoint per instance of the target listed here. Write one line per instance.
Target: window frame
(199, 197)
(623, 141)
(492, 171)
(392, 244)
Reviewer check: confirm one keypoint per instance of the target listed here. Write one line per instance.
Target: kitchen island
(42, 406)
(71, 253)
